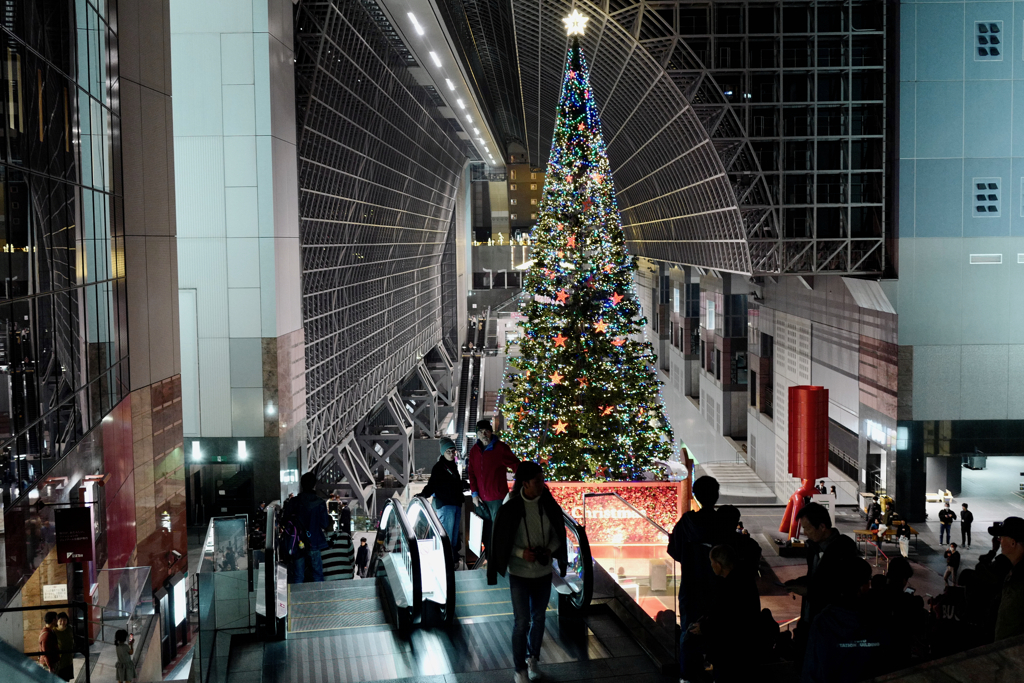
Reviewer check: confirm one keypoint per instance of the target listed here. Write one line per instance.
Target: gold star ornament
(575, 23)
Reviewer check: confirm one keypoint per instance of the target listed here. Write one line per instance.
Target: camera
(542, 556)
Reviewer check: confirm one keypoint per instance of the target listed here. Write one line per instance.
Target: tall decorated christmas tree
(585, 401)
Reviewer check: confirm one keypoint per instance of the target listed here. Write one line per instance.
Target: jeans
(965, 534)
(530, 599)
(488, 509)
(299, 567)
(945, 529)
(449, 516)
(691, 652)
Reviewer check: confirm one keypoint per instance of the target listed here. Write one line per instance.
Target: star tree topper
(575, 23)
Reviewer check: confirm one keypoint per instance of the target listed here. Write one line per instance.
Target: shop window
(533, 186)
(513, 202)
(533, 202)
(512, 187)
(513, 216)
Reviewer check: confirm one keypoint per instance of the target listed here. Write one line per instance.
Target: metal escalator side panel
(583, 564)
(439, 559)
(395, 536)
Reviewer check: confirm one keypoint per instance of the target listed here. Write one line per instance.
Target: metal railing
(395, 561)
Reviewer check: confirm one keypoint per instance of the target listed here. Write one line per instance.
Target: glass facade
(63, 344)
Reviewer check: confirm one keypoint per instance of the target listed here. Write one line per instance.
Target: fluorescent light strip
(458, 101)
(476, 131)
(451, 86)
(437, 60)
(415, 24)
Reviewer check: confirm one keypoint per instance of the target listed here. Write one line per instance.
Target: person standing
(489, 459)
(362, 558)
(946, 517)
(447, 488)
(1010, 618)
(966, 520)
(690, 543)
(124, 646)
(952, 564)
(733, 616)
(828, 553)
(311, 512)
(66, 644)
(529, 531)
(48, 643)
(345, 519)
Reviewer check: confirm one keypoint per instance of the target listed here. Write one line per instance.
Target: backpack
(292, 535)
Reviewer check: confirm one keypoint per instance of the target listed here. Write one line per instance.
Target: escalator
(463, 404)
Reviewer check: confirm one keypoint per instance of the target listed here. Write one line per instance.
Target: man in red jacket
(489, 458)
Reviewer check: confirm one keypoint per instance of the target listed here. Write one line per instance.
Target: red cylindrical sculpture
(808, 447)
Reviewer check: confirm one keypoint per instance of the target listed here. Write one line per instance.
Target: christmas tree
(585, 401)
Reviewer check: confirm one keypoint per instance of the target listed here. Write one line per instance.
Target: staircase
(333, 605)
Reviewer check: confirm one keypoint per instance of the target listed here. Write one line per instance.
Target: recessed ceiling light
(462, 105)
(469, 118)
(437, 60)
(476, 131)
(415, 24)
(451, 86)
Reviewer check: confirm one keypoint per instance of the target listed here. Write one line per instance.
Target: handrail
(630, 506)
(581, 599)
(415, 610)
(446, 550)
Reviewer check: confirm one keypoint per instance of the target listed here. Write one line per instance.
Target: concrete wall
(961, 123)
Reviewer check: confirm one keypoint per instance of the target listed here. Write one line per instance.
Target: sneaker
(533, 668)
(521, 677)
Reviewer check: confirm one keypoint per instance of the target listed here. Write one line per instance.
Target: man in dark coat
(1010, 618)
(733, 616)
(966, 520)
(447, 488)
(946, 519)
(311, 511)
(362, 558)
(690, 544)
(828, 551)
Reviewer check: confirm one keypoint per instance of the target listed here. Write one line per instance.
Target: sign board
(74, 534)
(55, 592)
(827, 501)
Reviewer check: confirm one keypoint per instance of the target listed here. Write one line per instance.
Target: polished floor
(477, 648)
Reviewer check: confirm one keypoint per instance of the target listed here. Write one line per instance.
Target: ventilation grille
(988, 41)
(986, 259)
(1020, 258)
(986, 197)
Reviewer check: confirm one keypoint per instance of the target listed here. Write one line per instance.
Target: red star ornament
(600, 326)
(582, 126)
(562, 296)
(572, 241)
(568, 178)
(597, 178)
(587, 204)
(582, 381)
(552, 274)
(606, 411)
(608, 267)
(616, 298)
(560, 341)
(556, 378)
(559, 225)
(619, 342)
(560, 426)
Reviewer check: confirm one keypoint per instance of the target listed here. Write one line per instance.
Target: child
(124, 645)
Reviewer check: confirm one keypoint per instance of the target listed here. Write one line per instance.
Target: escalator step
(333, 607)
(330, 622)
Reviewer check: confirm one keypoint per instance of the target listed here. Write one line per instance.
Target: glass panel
(632, 549)
(433, 563)
(394, 549)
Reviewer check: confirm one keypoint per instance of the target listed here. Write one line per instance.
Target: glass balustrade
(396, 557)
(578, 583)
(633, 550)
(435, 552)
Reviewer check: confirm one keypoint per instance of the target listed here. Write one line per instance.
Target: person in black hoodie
(446, 486)
(529, 531)
(966, 520)
(362, 558)
(828, 552)
(692, 539)
(733, 616)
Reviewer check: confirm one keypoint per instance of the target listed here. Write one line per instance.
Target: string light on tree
(583, 397)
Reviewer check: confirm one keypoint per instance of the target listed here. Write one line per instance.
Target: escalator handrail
(630, 506)
(414, 554)
(582, 599)
(446, 549)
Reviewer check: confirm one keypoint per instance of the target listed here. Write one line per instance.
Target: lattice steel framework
(378, 173)
(712, 165)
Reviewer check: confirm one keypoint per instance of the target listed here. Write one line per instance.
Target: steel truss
(696, 182)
